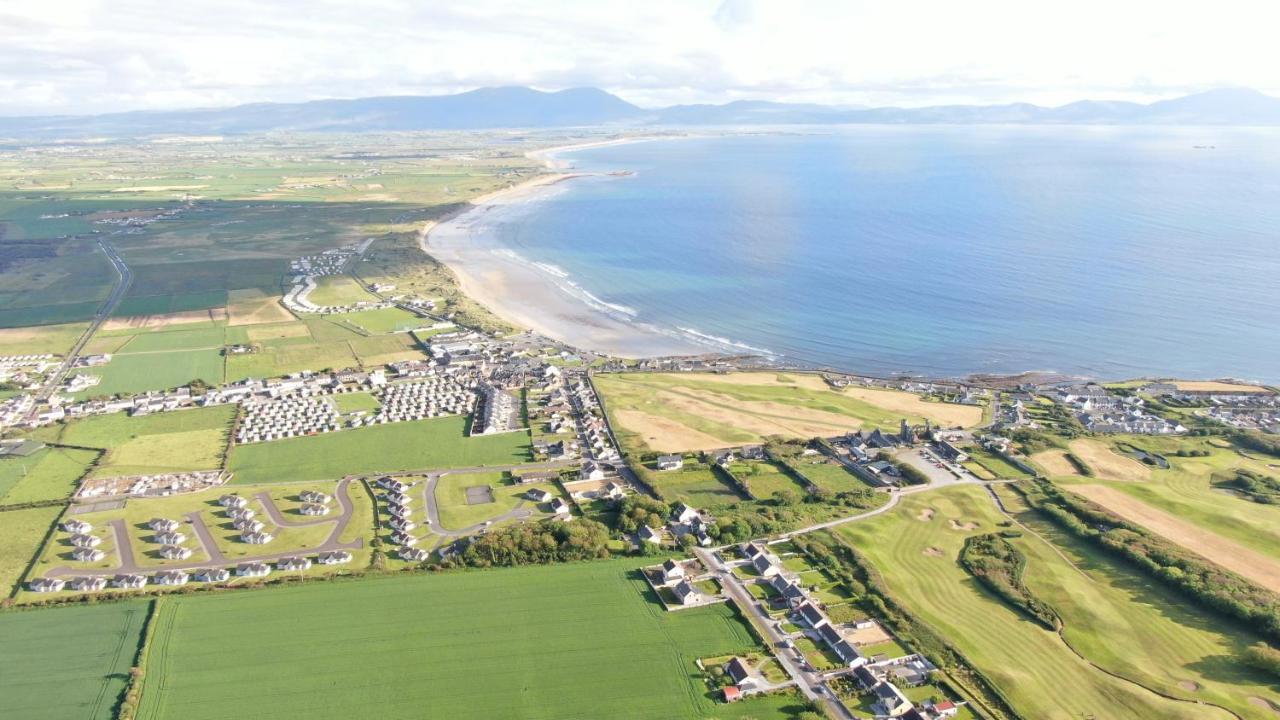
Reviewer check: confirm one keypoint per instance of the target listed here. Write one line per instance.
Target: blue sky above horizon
(91, 56)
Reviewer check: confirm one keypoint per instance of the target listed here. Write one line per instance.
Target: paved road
(810, 684)
(124, 281)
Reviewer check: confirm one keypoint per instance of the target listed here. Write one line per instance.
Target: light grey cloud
(74, 56)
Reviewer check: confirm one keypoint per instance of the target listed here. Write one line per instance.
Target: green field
(996, 465)
(53, 339)
(68, 662)
(129, 374)
(567, 641)
(456, 514)
(1100, 603)
(21, 532)
(765, 478)
(438, 443)
(827, 474)
(339, 290)
(356, 402)
(695, 484)
(383, 320)
(180, 337)
(164, 442)
(50, 474)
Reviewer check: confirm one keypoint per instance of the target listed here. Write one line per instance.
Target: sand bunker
(666, 435)
(1189, 685)
(966, 526)
(925, 515)
(1263, 703)
(912, 405)
(932, 552)
(1229, 554)
(1108, 464)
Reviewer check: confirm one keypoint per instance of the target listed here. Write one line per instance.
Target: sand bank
(532, 295)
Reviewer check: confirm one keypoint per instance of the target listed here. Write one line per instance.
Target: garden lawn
(764, 479)
(539, 643)
(827, 474)
(695, 484)
(50, 474)
(434, 444)
(1033, 666)
(69, 662)
(21, 532)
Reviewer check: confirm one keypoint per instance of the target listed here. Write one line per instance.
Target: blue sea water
(942, 251)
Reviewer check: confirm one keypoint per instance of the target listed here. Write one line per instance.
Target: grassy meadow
(916, 547)
(21, 533)
(460, 645)
(433, 444)
(50, 474)
(164, 442)
(69, 662)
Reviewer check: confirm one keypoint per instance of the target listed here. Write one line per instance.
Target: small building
(335, 557)
(740, 673)
(253, 569)
(790, 592)
(129, 581)
(246, 525)
(399, 499)
(314, 496)
(77, 527)
(683, 514)
(811, 615)
(560, 507)
(539, 495)
(170, 538)
(162, 525)
(613, 491)
(84, 554)
(171, 577)
(414, 554)
(42, 585)
(752, 550)
(672, 571)
(766, 565)
(890, 701)
(591, 471)
(670, 462)
(175, 552)
(403, 525)
(211, 575)
(257, 538)
(293, 563)
(686, 593)
(314, 509)
(86, 541)
(651, 535)
(241, 513)
(403, 538)
(732, 693)
(233, 501)
(91, 583)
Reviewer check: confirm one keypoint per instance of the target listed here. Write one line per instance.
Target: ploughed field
(685, 411)
(569, 641)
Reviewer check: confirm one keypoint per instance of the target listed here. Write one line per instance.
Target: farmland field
(68, 662)
(53, 339)
(172, 441)
(916, 552)
(680, 412)
(127, 374)
(21, 532)
(437, 443)
(492, 644)
(384, 320)
(827, 474)
(764, 479)
(50, 474)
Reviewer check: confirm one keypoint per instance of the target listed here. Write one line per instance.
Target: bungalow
(314, 509)
(683, 513)
(170, 538)
(335, 557)
(740, 673)
(403, 525)
(719, 457)
(399, 499)
(314, 496)
(399, 511)
(591, 471)
(539, 495)
(175, 552)
(686, 593)
(672, 571)
(394, 485)
(403, 538)
(84, 554)
(752, 452)
(790, 592)
(163, 525)
(890, 701)
(245, 525)
(538, 476)
(46, 584)
(670, 462)
(77, 527)
(811, 615)
(648, 534)
(613, 491)
(257, 538)
(129, 581)
(171, 577)
(86, 541)
(232, 501)
(560, 507)
(253, 569)
(243, 513)
(92, 583)
(829, 635)
(414, 554)
(211, 575)
(293, 563)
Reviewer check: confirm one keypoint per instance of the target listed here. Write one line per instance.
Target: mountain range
(521, 107)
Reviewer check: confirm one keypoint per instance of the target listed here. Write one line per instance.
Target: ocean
(938, 251)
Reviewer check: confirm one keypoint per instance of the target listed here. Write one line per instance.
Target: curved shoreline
(535, 295)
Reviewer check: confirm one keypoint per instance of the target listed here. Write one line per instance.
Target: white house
(170, 538)
(686, 593)
(314, 509)
(232, 501)
(84, 554)
(86, 541)
(314, 496)
(257, 538)
(171, 577)
(648, 534)
(539, 495)
(672, 571)
(670, 462)
(414, 554)
(683, 513)
(175, 552)
(163, 525)
(129, 581)
(77, 527)
(91, 583)
(403, 538)
(46, 584)
(591, 471)
(293, 563)
(212, 575)
(560, 507)
(253, 569)
(245, 525)
(403, 525)
(241, 513)
(336, 557)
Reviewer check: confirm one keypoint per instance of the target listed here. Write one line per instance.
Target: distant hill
(519, 107)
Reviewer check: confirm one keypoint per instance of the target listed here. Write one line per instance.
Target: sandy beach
(536, 296)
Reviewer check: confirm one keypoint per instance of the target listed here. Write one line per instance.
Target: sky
(93, 56)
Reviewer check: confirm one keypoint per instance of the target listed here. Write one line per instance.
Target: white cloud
(96, 55)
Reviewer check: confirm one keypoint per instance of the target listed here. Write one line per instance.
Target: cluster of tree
(638, 510)
(1264, 657)
(1079, 464)
(1256, 486)
(1209, 585)
(998, 565)
(1257, 441)
(871, 593)
(1192, 453)
(540, 543)
(910, 473)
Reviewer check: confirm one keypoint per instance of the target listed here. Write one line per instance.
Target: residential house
(672, 571)
(670, 462)
(161, 525)
(414, 554)
(314, 496)
(686, 593)
(42, 585)
(293, 563)
(766, 564)
(591, 471)
(740, 673)
(539, 495)
(314, 509)
(889, 700)
(86, 541)
(683, 514)
(811, 615)
(91, 583)
(335, 557)
(170, 538)
(257, 538)
(77, 527)
(84, 554)
(648, 534)
(403, 538)
(171, 577)
(233, 501)
(253, 569)
(129, 581)
(211, 575)
(790, 592)
(175, 552)
(560, 507)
